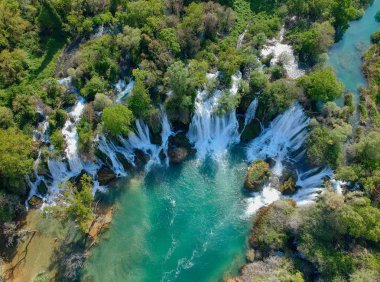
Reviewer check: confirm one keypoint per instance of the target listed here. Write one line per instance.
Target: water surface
(184, 223)
(346, 56)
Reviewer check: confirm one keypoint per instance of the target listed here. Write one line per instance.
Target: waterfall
(209, 132)
(138, 140)
(309, 183)
(110, 150)
(283, 51)
(123, 89)
(70, 135)
(286, 134)
(251, 113)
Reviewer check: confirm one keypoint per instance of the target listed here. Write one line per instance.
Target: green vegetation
(258, 173)
(322, 85)
(117, 119)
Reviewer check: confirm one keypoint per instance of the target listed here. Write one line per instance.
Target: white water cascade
(138, 140)
(251, 113)
(123, 89)
(209, 132)
(283, 51)
(286, 134)
(70, 134)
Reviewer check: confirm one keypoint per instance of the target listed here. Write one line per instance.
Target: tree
(49, 20)
(322, 85)
(101, 102)
(139, 102)
(277, 97)
(80, 203)
(93, 86)
(12, 25)
(15, 157)
(12, 66)
(6, 117)
(117, 119)
(129, 41)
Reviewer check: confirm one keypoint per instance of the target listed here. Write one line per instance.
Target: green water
(346, 56)
(185, 223)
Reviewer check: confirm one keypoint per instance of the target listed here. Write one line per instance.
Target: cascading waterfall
(282, 51)
(310, 183)
(123, 89)
(286, 134)
(70, 135)
(138, 140)
(209, 132)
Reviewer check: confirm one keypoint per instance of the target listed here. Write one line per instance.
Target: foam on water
(283, 51)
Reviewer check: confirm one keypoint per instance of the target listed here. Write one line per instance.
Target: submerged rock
(35, 202)
(177, 155)
(105, 175)
(258, 173)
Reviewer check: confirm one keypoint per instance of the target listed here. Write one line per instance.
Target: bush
(93, 86)
(258, 173)
(101, 101)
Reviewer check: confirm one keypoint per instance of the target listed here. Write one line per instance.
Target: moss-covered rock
(35, 202)
(258, 173)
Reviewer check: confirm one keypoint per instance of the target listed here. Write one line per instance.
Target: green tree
(322, 85)
(6, 117)
(80, 203)
(12, 66)
(49, 20)
(101, 102)
(12, 25)
(117, 119)
(15, 157)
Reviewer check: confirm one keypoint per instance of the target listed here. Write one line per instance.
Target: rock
(250, 255)
(35, 202)
(42, 188)
(105, 175)
(251, 131)
(288, 187)
(177, 155)
(258, 173)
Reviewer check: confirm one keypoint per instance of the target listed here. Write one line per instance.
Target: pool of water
(184, 223)
(346, 56)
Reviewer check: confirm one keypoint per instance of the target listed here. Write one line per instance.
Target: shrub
(117, 119)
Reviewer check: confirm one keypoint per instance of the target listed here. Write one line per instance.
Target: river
(189, 222)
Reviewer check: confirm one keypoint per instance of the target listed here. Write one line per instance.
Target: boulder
(177, 155)
(42, 188)
(105, 175)
(35, 202)
(258, 173)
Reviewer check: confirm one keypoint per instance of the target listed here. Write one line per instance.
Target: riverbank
(37, 256)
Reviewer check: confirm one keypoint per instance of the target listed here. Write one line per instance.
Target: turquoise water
(346, 56)
(185, 223)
